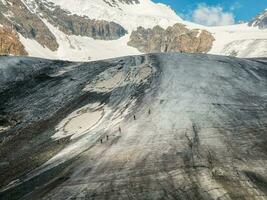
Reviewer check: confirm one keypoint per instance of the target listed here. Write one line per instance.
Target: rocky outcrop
(176, 38)
(260, 21)
(15, 14)
(79, 25)
(9, 43)
(129, 1)
(26, 18)
(113, 3)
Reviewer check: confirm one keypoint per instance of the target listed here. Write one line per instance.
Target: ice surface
(194, 128)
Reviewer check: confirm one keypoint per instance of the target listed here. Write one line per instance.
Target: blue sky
(237, 10)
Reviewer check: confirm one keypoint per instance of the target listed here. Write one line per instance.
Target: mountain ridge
(260, 20)
(74, 31)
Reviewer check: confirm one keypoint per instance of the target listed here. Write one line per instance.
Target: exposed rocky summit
(79, 25)
(260, 21)
(151, 127)
(176, 38)
(10, 43)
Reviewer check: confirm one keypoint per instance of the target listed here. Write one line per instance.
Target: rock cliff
(28, 19)
(15, 14)
(10, 43)
(79, 25)
(176, 38)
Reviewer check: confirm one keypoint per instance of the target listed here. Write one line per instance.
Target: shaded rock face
(113, 3)
(174, 39)
(260, 21)
(77, 25)
(179, 126)
(16, 15)
(129, 1)
(9, 43)
(25, 17)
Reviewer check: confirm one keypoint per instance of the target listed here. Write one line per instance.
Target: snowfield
(239, 40)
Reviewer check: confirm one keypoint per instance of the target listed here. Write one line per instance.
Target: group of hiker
(134, 117)
(101, 140)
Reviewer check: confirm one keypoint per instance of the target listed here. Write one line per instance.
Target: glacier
(155, 126)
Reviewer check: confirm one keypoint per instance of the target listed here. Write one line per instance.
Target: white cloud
(212, 16)
(235, 6)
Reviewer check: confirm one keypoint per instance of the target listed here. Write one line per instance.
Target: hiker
(101, 141)
(149, 111)
(120, 129)
(107, 137)
(134, 117)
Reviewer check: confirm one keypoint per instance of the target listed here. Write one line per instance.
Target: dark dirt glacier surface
(173, 126)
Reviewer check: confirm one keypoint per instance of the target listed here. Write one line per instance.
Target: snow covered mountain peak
(260, 21)
(82, 30)
(128, 13)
